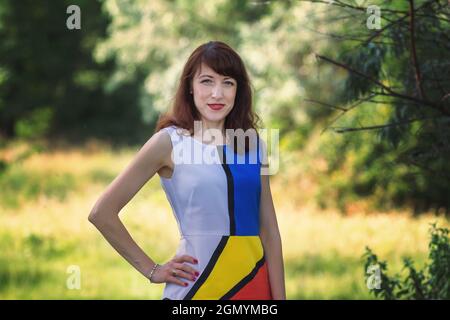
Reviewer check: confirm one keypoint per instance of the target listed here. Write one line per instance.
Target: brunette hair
(225, 61)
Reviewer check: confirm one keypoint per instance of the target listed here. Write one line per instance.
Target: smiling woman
(214, 95)
(210, 81)
(230, 246)
(214, 89)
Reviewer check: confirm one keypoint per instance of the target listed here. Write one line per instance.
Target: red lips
(216, 106)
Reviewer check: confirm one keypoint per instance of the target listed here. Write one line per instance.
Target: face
(214, 95)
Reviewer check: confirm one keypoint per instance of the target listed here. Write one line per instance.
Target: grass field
(44, 233)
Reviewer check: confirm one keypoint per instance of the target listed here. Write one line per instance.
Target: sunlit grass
(44, 234)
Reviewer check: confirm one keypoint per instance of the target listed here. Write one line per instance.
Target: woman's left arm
(271, 240)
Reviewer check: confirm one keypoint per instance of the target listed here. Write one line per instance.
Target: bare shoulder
(161, 141)
(157, 149)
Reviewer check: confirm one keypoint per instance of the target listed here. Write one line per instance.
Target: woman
(230, 245)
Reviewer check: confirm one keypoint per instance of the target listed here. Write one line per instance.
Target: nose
(217, 91)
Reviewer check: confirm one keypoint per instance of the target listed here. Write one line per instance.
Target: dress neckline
(197, 141)
(207, 144)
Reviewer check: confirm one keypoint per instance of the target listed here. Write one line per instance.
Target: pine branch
(325, 104)
(346, 110)
(391, 92)
(413, 51)
(395, 124)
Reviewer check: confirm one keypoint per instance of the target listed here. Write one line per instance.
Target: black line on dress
(208, 269)
(230, 189)
(244, 281)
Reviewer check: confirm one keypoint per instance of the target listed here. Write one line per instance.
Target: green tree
(431, 282)
(50, 83)
(399, 72)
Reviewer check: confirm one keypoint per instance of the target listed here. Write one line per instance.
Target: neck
(218, 125)
(210, 131)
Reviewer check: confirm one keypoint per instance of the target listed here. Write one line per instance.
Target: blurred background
(360, 91)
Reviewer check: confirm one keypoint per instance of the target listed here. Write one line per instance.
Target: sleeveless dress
(216, 203)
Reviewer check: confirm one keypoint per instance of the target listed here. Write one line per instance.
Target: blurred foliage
(41, 238)
(20, 186)
(112, 79)
(394, 110)
(432, 282)
(50, 84)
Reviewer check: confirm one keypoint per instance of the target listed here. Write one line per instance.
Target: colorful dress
(216, 205)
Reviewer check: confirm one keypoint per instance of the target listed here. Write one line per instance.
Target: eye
(230, 83)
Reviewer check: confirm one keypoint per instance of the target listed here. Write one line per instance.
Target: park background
(358, 89)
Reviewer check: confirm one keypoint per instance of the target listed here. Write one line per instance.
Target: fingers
(185, 275)
(177, 281)
(187, 269)
(183, 270)
(185, 258)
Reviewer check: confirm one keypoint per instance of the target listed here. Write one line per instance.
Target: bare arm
(105, 213)
(270, 237)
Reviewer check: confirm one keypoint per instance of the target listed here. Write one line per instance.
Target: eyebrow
(207, 75)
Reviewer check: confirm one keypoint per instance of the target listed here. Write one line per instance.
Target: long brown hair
(225, 61)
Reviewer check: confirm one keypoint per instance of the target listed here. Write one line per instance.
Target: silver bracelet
(151, 272)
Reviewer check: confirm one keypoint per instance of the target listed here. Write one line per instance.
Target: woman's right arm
(105, 213)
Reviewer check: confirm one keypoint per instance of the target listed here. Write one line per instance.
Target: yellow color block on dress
(236, 261)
